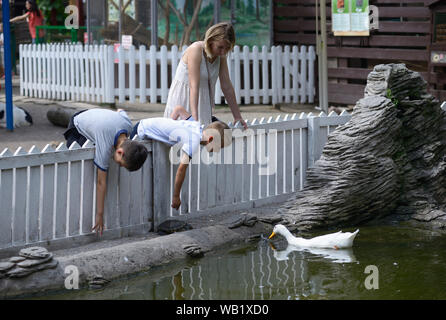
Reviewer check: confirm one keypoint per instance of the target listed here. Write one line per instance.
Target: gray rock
(5, 266)
(390, 154)
(16, 259)
(29, 263)
(21, 272)
(254, 238)
(193, 250)
(34, 253)
(273, 219)
(48, 265)
(18, 272)
(97, 282)
(244, 219)
(250, 220)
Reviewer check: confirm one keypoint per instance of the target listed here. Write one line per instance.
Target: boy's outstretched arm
(179, 178)
(101, 189)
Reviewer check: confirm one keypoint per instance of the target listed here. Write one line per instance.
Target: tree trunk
(167, 15)
(142, 12)
(258, 10)
(188, 29)
(197, 26)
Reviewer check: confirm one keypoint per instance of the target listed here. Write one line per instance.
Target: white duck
(337, 240)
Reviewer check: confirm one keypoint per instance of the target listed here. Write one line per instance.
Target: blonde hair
(219, 31)
(222, 130)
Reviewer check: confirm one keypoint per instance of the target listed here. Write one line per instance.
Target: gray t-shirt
(103, 127)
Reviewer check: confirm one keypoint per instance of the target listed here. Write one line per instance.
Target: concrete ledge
(129, 258)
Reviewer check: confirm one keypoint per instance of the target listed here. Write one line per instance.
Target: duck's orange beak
(272, 235)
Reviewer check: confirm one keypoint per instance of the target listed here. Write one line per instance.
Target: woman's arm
(194, 57)
(229, 93)
(18, 18)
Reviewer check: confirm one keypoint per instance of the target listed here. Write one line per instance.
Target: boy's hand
(99, 226)
(176, 202)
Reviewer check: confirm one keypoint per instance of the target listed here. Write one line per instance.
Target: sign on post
(350, 17)
(127, 41)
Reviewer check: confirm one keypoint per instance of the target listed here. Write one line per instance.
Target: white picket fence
(99, 74)
(48, 196)
(65, 72)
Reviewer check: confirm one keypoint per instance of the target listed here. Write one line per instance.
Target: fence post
(274, 73)
(303, 74)
(310, 88)
(161, 185)
(110, 79)
(313, 139)
(153, 75)
(142, 74)
(121, 73)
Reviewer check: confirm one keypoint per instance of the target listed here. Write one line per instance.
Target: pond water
(410, 264)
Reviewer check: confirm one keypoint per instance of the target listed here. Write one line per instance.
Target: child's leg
(72, 135)
(134, 130)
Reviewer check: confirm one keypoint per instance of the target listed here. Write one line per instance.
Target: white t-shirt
(170, 131)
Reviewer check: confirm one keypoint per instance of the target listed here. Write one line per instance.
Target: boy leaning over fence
(109, 131)
(190, 134)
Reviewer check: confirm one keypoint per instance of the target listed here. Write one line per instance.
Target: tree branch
(175, 10)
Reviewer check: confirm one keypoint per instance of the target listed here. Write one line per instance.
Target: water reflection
(261, 274)
(337, 256)
(410, 261)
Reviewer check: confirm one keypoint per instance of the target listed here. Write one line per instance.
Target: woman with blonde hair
(193, 86)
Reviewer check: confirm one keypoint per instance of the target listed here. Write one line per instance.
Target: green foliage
(47, 6)
(390, 96)
(250, 8)
(249, 30)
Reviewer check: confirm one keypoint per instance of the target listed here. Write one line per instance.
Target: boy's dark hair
(135, 153)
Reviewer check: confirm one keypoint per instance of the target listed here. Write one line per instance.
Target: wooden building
(407, 33)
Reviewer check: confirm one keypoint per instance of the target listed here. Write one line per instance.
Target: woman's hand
(242, 122)
(229, 93)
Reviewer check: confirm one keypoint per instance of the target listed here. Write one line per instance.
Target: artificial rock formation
(389, 158)
(30, 260)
